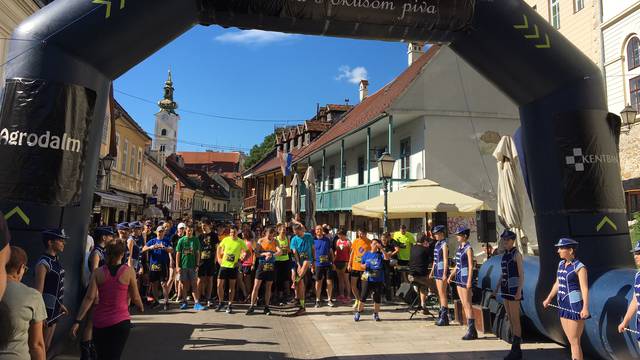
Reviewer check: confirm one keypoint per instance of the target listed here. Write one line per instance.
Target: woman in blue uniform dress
(50, 280)
(134, 245)
(634, 306)
(462, 276)
(123, 234)
(439, 272)
(511, 289)
(572, 290)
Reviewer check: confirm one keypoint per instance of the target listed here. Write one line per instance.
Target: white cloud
(252, 37)
(352, 75)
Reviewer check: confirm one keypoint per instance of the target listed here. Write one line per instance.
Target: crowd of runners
(200, 265)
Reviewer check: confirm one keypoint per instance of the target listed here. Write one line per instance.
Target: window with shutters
(633, 53)
(125, 153)
(578, 5)
(554, 8)
(405, 158)
(634, 92)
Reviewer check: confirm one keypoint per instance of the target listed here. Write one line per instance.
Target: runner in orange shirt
(360, 246)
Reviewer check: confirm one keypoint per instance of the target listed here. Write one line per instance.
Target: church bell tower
(166, 131)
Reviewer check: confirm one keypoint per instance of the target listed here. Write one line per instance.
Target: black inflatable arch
(57, 87)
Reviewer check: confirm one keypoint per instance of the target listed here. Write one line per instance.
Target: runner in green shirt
(228, 254)
(404, 241)
(283, 265)
(187, 258)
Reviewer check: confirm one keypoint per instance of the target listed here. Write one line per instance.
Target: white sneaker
(331, 303)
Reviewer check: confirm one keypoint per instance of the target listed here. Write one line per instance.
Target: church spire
(167, 104)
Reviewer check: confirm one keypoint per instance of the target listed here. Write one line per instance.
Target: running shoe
(210, 303)
(331, 303)
(183, 306)
(301, 311)
(199, 307)
(356, 316)
(318, 304)
(165, 307)
(229, 309)
(219, 307)
(250, 310)
(376, 317)
(267, 311)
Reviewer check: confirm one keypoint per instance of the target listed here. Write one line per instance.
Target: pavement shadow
(199, 354)
(538, 354)
(174, 340)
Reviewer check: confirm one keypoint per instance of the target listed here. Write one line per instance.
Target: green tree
(634, 230)
(260, 150)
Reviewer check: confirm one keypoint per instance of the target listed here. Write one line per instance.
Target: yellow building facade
(12, 12)
(578, 20)
(125, 194)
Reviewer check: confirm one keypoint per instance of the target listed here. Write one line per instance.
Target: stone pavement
(325, 333)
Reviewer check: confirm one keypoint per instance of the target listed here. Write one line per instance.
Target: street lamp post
(385, 171)
(107, 165)
(628, 115)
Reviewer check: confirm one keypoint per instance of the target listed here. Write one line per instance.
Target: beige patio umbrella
(310, 200)
(295, 195)
(418, 198)
(272, 206)
(511, 191)
(280, 204)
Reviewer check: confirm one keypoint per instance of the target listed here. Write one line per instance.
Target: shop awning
(213, 216)
(418, 198)
(152, 212)
(108, 200)
(131, 198)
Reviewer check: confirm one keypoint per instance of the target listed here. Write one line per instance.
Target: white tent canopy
(418, 198)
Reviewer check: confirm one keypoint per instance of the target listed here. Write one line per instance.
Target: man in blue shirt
(324, 265)
(304, 254)
(159, 249)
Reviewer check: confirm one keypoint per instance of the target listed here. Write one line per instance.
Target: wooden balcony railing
(250, 202)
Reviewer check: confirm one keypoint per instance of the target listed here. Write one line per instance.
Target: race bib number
(267, 267)
(324, 259)
(374, 273)
(303, 256)
(206, 255)
(365, 276)
(155, 267)
(230, 258)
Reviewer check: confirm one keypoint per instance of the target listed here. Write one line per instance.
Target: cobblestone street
(325, 333)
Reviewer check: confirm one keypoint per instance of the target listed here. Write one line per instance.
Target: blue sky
(255, 75)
